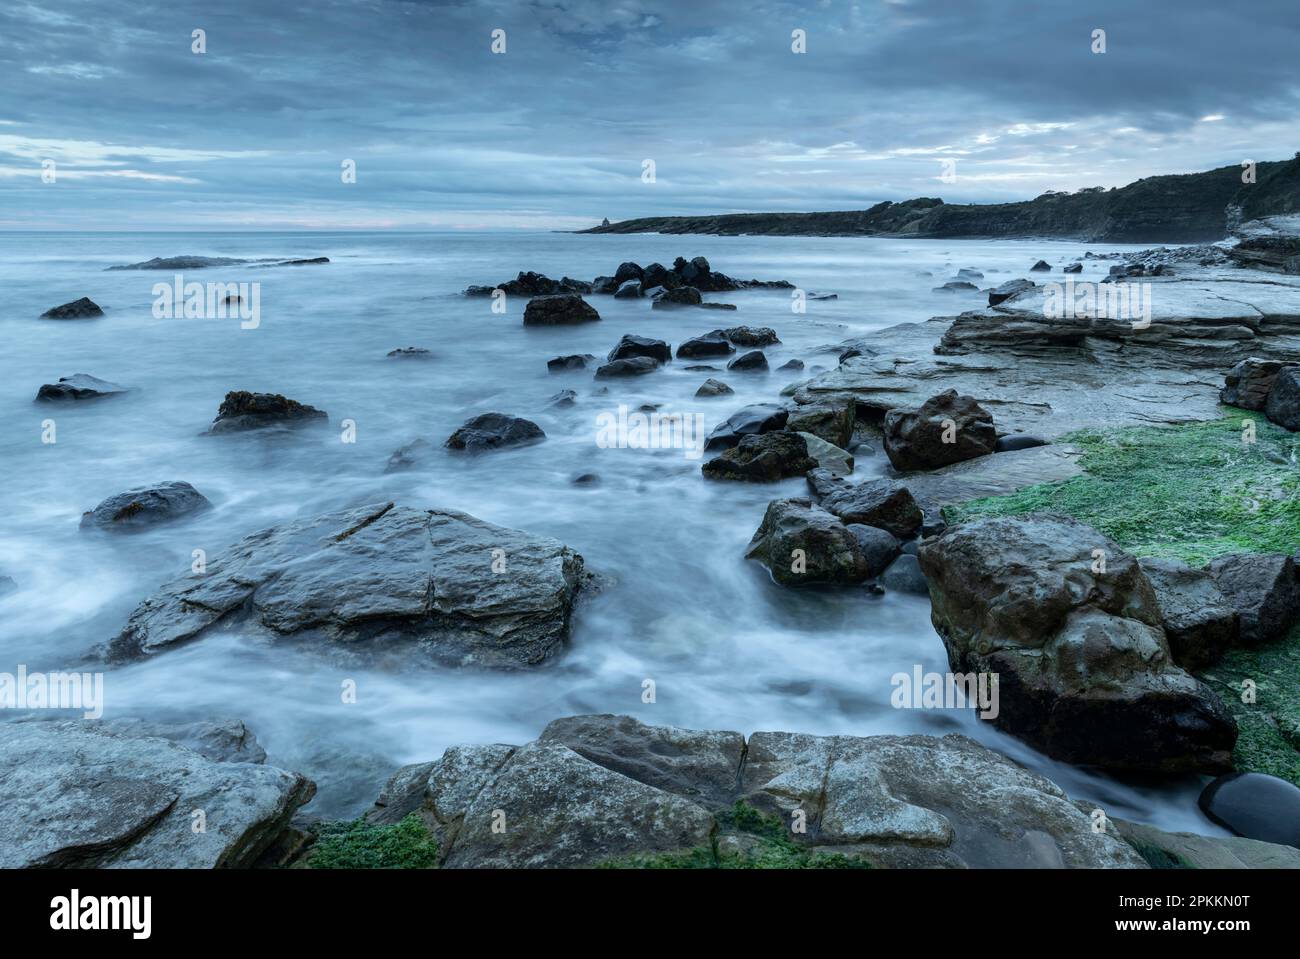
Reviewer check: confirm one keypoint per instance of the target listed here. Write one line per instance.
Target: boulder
(628, 290)
(700, 347)
(1042, 266)
(563, 399)
(1071, 625)
(81, 309)
(681, 296)
(1072, 268)
(79, 386)
(146, 506)
(656, 274)
(628, 271)
(751, 335)
(1248, 383)
(632, 345)
(604, 285)
(564, 364)
(636, 366)
(790, 366)
(803, 545)
(1198, 620)
(711, 387)
(1264, 592)
(832, 420)
(758, 418)
(878, 548)
(1283, 404)
(904, 575)
(242, 410)
(1018, 441)
(956, 286)
(560, 309)
(87, 794)
(884, 503)
(1007, 290)
(410, 353)
(753, 362)
(378, 583)
(762, 458)
(827, 456)
(1256, 806)
(948, 428)
(1187, 849)
(491, 431)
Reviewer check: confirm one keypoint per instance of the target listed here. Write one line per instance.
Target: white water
(725, 647)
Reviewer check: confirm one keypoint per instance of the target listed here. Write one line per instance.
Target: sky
(109, 119)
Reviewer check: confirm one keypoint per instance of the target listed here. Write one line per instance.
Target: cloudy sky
(553, 133)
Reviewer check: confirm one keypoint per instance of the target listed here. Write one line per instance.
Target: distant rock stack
(605, 222)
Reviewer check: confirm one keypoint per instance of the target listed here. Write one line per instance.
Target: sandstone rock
(1283, 404)
(832, 420)
(947, 429)
(1248, 383)
(1198, 621)
(1264, 592)
(379, 582)
(1209, 852)
(146, 506)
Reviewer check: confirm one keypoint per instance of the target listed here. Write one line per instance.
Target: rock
(146, 506)
(712, 387)
(753, 362)
(603, 284)
(563, 364)
(947, 429)
(563, 399)
(1255, 806)
(656, 274)
(586, 479)
(559, 309)
(7, 585)
(790, 366)
(632, 345)
(241, 410)
(490, 431)
(636, 366)
(832, 420)
(221, 740)
(410, 353)
(682, 296)
(882, 502)
(700, 347)
(81, 309)
(1199, 623)
(87, 794)
(80, 386)
(762, 458)
(1070, 268)
(967, 273)
(1248, 383)
(750, 335)
(628, 271)
(1208, 852)
(183, 262)
(415, 453)
(1042, 266)
(628, 290)
(803, 545)
(379, 583)
(1264, 592)
(1018, 441)
(1085, 670)
(827, 456)
(904, 575)
(956, 286)
(1005, 291)
(878, 547)
(758, 418)
(701, 368)
(1283, 404)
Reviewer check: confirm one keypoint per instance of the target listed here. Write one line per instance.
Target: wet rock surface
(241, 411)
(146, 506)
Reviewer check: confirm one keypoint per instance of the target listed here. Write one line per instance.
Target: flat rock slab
(425, 586)
(86, 794)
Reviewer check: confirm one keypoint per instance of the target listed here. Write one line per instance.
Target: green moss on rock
(362, 845)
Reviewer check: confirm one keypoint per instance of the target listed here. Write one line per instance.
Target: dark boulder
(883, 503)
(242, 410)
(956, 286)
(701, 347)
(632, 345)
(634, 366)
(1017, 441)
(1283, 405)
(803, 545)
(1247, 384)
(682, 296)
(656, 274)
(712, 387)
(879, 548)
(751, 335)
(628, 290)
(564, 364)
(1256, 806)
(947, 429)
(790, 366)
(831, 419)
(80, 386)
(490, 431)
(628, 271)
(904, 576)
(1264, 592)
(753, 362)
(81, 309)
(561, 309)
(1007, 290)
(1198, 620)
(1042, 266)
(762, 458)
(146, 506)
(604, 285)
(415, 453)
(563, 399)
(1072, 268)
(410, 353)
(758, 418)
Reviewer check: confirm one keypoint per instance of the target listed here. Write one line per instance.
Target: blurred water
(725, 648)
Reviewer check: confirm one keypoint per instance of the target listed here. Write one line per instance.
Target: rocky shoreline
(1101, 652)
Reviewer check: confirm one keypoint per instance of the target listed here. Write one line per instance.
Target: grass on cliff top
(1191, 492)
(362, 845)
(765, 843)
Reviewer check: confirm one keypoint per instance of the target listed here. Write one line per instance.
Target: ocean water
(724, 647)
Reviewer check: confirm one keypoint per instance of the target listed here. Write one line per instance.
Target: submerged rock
(947, 429)
(762, 458)
(79, 386)
(106, 794)
(415, 453)
(632, 345)
(712, 387)
(1071, 626)
(635, 366)
(1005, 291)
(700, 347)
(241, 410)
(146, 506)
(1042, 266)
(410, 353)
(490, 431)
(681, 296)
(377, 583)
(564, 364)
(81, 309)
(752, 362)
(561, 309)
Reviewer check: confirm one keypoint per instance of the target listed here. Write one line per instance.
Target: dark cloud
(554, 132)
